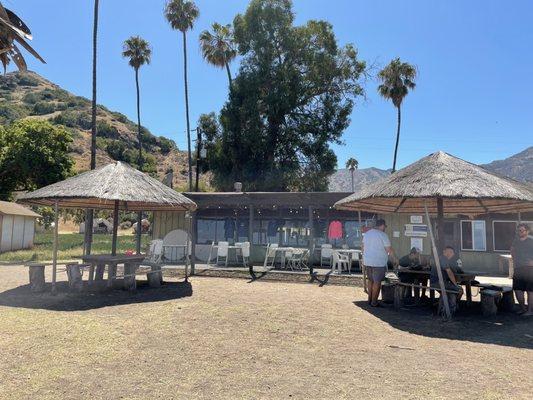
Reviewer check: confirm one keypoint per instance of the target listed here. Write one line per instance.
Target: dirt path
(230, 339)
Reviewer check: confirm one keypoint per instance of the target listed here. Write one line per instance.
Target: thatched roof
(100, 188)
(464, 187)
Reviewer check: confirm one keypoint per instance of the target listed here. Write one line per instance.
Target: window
(352, 233)
(473, 236)
(504, 232)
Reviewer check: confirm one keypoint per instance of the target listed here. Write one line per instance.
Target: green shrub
(120, 117)
(104, 129)
(10, 112)
(101, 143)
(27, 80)
(166, 145)
(43, 108)
(116, 149)
(31, 98)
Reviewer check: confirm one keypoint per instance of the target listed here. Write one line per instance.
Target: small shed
(17, 226)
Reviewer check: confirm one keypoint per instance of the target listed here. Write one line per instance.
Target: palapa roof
(465, 188)
(8, 208)
(101, 187)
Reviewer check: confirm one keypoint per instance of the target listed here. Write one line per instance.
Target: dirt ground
(219, 338)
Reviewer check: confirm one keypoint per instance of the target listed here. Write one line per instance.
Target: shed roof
(9, 208)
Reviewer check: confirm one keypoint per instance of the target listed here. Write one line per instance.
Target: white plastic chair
(245, 252)
(222, 253)
(326, 254)
(176, 243)
(270, 255)
(340, 262)
(155, 251)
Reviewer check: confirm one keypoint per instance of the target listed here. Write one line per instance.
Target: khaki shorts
(376, 274)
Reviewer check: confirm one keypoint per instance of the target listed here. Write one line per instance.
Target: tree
(218, 47)
(33, 154)
(138, 51)
(90, 213)
(352, 164)
(181, 15)
(292, 97)
(397, 79)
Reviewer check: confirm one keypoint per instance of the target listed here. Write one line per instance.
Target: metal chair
(270, 255)
(297, 260)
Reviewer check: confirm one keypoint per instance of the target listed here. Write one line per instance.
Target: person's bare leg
(376, 287)
(369, 286)
(521, 300)
(529, 311)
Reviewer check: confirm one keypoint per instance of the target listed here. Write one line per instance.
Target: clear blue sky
(475, 60)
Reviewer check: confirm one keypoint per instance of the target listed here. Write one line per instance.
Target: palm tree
(397, 79)
(90, 213)
(218, 47)
(138, 51)
(181, 15)
(352, 165)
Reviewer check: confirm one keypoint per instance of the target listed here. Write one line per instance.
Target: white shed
(17, 227)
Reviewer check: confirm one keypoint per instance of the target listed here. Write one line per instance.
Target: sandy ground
(219, 338)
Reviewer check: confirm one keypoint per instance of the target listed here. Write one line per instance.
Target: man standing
(522, 253)
(376, 251)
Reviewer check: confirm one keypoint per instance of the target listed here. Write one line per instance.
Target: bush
(31, 98)
(166, 145)
(116, 149)
(104, 129)
(27, 80)
(43, 108)
(101, 143)
(11, 112)
(120, 117)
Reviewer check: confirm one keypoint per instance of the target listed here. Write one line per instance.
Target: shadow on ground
(65, 300)
(504, 329)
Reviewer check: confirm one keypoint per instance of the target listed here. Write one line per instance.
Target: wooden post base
(507, 301)
(129, 277)
(155, 276)
(489, 301)
(99, 274)
(74, 276)
(37, 281)
(387, 292)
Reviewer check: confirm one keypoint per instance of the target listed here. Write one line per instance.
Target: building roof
(265, 199)
(463, 187)
(101, 187)
(9, 208)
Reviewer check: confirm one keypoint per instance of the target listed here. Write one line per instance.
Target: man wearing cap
(413, 261)
(376, 251)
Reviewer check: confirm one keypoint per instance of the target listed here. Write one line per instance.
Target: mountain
(29, 95)
(519, 166)
(341, 180)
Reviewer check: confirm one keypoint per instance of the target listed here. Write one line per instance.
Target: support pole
(194, 240)
(519, 217)
(443, 293)
(188, 216)
(311, 240)
(56, 234)
(250, 237)
(440, 224)
(139, 232)
(115, 229)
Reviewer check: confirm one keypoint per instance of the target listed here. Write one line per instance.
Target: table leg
(99, 274)
(91, 274)
(468, 286)
(129, 276)
(111, 274)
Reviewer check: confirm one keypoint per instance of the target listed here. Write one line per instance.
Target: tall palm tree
(90, 213)
(352, 164)
(138, 51)
(181, 15)
(218, 47)
(397, 79)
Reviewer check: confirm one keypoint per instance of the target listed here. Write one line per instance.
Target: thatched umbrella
(114, 186)
(441, 183)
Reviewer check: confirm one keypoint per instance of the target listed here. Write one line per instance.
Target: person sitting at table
(449, 267)
(413, 261)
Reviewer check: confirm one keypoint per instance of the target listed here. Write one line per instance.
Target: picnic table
(100, 261)
(465, 279)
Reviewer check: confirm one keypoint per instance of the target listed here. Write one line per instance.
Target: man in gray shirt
(376, 251)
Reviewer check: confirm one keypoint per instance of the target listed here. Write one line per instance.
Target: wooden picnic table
(464, 279)
(98, 263)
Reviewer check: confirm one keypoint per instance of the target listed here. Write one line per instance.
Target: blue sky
(475, 61)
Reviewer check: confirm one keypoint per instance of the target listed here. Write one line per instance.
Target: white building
(17, 227)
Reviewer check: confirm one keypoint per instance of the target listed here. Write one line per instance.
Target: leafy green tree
(138, 51)
(397, 79)
(181, 15)
(33, 154)
(292, 98)
(218, 47)
(352, 164)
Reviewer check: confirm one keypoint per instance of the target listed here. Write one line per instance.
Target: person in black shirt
(413, 261)
(522, 253)
(449, 267)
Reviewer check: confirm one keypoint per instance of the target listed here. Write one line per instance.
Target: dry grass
(232, 339)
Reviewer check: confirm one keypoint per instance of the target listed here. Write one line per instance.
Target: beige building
(17, 227)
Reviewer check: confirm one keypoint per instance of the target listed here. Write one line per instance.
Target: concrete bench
(494, 299)
(399, 292)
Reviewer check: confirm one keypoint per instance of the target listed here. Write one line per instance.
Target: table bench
(494, 298)
(399, 294)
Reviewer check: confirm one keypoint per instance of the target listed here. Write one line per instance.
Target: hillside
(341, 180)
(28, 95)
(519, 166)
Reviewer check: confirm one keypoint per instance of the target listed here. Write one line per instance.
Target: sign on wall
(416, 219)
(416, 230)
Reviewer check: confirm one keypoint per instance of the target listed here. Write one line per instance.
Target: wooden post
(56, 234)
(311, 240)
(194, 240)
(440, 224)
(250, 238)
(189, 237)
(115, 229)
(139, 232)
(74, 276)
(443, 293)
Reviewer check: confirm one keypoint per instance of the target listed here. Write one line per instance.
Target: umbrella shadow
(504, 329)
(65, 300)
